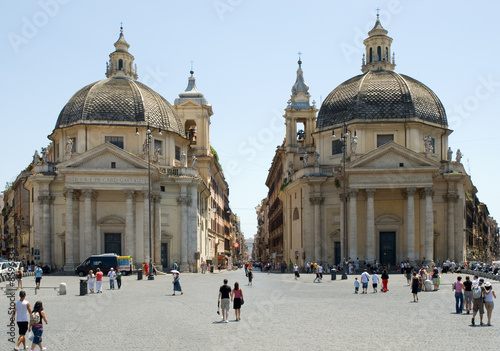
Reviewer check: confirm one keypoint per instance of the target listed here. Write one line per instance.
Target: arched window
(120, 65)
(379, 53)
(295, 213)
(371, 55)
(386, 58)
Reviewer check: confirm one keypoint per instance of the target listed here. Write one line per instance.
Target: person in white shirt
(374, 281)
(22, 309)
(112, 277)
(365, 277)
(296, 270)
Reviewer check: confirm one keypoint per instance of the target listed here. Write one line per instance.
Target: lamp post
(148, 147)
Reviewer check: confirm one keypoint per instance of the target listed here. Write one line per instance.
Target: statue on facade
(459, 156)
(145, 147)
(316, 158)
(69, 145)
(156, 157)
(290, 169)
(428, 144)
(36, 158)
(450, 154)
(183, 159)
(194, 162)
(354, 144)
(306, 159)
(45, 155)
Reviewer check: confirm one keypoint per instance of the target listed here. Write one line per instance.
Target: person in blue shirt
(38, 276)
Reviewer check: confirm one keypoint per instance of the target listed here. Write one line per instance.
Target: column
(429, 227)
(96, 241)
(69, 266)
(184, 201)
(157, 241)
(343, 234)
(318, 242)
(129, 223)
(451, 198)
(87, 234)
(146, 226)
(45, 242)
(370, 225)
(410, 221)
(353, 224)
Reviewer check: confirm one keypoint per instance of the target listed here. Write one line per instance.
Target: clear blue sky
(245, 61)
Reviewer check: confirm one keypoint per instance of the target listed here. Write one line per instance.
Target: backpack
(35, 318)
(477, 292)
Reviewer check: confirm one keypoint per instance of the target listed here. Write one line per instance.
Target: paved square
(279, 314)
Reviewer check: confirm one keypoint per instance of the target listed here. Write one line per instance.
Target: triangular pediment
(189, 103)
(393, 156)
(102, 157)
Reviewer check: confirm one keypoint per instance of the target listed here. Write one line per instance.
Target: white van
(5, 267)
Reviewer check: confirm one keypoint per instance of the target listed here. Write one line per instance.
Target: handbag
(242, 301)
(30, 336)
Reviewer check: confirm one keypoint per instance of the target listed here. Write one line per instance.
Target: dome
(381, 95)
(120, 101)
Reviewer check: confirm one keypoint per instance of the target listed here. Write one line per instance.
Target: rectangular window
(158, 147)
(433, 143)
(117, 141)
(384, 139)
(113, 164)
(177, 153)
(337, 147)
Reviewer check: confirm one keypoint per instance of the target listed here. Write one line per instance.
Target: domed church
(371, 176)
(127, 172)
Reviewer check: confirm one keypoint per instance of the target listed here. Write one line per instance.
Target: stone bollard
(10, 289)
(428, 285)
(62, 289)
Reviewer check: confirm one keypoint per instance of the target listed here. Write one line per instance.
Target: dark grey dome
(381, 95)
(120, 101)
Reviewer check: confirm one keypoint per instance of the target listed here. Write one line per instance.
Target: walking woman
(177, 284)
(415, 282)
(468, 294)
(91, 280)
(237, 298)
(489, 295)
(37, 325)
(458, 286)
(385, 280)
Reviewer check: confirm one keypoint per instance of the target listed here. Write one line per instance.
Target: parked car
(104, 262)
(6, 267)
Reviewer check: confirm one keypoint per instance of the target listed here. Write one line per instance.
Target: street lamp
(148, 148)
(344, 135)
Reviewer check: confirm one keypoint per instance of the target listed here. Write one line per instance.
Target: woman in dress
(237, 297)
(91, 280)
(19, 277)
(415, 282)
(385, 280)
(489, 295)
(177, 284)
(37, 325)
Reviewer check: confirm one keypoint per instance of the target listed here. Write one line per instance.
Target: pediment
(393, 156)
(101, 157)
(189, 103)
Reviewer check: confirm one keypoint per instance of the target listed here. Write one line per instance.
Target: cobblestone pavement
(279, 314)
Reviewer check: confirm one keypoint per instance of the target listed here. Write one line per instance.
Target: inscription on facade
(106, 180)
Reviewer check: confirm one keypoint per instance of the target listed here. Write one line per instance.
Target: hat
(487, 284)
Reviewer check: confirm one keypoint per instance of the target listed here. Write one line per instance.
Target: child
(356, 285)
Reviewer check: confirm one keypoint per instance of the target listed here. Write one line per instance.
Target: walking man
(112, 276)
(22, 309)
(365, 277)
(223, 300)
(98, 280)
(478, 302)
(38, 276)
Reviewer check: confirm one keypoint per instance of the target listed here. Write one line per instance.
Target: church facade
(129, 173)
(370, 175)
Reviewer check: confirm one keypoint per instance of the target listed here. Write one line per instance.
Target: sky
(244, 55)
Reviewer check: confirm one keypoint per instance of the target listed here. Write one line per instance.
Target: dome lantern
(378, 50)
(121, 62)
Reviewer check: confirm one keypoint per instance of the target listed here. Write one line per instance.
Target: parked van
(105, 262)
(125, 264)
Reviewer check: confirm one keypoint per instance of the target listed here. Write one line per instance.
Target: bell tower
(121, 62)
(378, 50)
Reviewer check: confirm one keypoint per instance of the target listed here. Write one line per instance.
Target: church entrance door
(113, 243)
(388, 248)
(164, 257)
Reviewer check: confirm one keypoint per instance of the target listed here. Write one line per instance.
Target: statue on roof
(36, 158)
(459, 156)
(450, 154)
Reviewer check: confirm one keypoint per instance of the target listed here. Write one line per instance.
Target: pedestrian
(296, 271)
(458, 286)
(22, 310)
(237, 299)
(308, 268)
(356, 285)
(408, 270)
(91, 280)
(489, 295)
(38, 276)
(19, 277)
(415, 283)
(176, 266)
(119, 278)
(250, 275)
(36, 324)
(146, 269)
(223, 300)
(385, 280)
(112, 276)
(365, 277)
(320, 272)
(177, 284)
(374, 281)
(203, 267)
(435, 278)
(98, 280)
(468, 294)
(477, 301)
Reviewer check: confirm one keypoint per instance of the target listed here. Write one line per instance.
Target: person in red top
(146, 269)
(98, 280)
